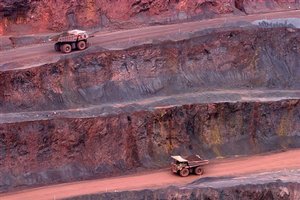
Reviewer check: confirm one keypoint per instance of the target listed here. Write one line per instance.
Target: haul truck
(185, 166)
(70, 40)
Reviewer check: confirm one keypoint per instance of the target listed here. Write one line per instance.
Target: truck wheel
(57, 47)
(66, 48)
(184, 172)
(81, 45)
(198, 171)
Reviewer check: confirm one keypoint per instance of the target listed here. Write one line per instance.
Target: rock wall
(66, 149)
(59, 149)
(31, 16)
(259, 6)
(237, 59)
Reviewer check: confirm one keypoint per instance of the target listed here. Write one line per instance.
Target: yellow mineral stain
(215, 135)
(215, 138)
(217, 151)
(239, 124)
(284, 126)
(165, 133)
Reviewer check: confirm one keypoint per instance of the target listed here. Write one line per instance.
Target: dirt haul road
(154, 103)
(41, 54)
(163, 178)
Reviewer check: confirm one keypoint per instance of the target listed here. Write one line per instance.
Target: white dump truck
(70, 40)
(185, 166)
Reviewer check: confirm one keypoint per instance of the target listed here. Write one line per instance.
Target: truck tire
(57, 47)
(198, 171)
(66, 48)
(184, 172)
(81, 45)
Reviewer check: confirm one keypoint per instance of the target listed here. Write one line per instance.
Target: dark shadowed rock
(270, 186)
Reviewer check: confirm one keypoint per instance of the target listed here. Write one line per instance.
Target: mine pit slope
(33, 55)
(115, 111)
(238, 167)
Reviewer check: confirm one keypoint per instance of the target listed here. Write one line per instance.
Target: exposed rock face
(25, 16)
(51, 151)
(256, 6)
(63, 149)
(237, 59)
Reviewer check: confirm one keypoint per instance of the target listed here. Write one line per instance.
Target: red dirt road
(34, 55)
(162, 178)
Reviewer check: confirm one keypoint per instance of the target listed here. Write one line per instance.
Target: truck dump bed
(69, 36)
(194, 160)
